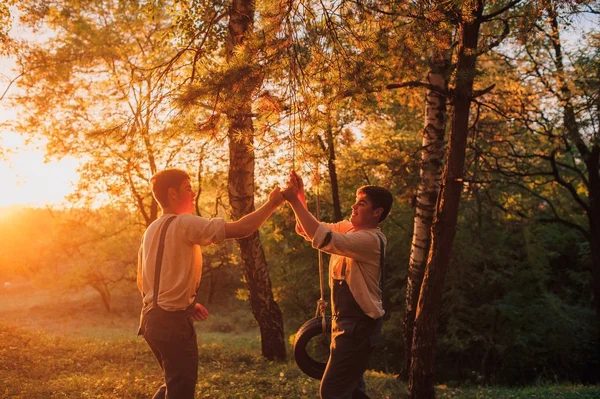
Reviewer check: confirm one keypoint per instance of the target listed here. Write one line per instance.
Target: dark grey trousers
(351, 348)
(172, 338)
(354, 335)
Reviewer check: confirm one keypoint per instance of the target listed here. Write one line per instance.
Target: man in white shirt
(169, 272)
(356, 248)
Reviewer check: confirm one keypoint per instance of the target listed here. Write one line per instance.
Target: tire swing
(312, 341)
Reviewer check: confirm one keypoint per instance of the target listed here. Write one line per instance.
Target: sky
(26, 178)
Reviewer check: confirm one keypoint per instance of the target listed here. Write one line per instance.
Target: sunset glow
(25, 179)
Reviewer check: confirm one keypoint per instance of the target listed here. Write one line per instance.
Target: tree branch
(479, 93)
(391, 86)
(500, 11)
(572, 190)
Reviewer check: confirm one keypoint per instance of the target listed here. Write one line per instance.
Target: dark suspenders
(381, 265)
(159, 256)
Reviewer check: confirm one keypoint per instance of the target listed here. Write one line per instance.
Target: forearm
(249, 223)
(362, 246)
(307, 222)
(299, 228)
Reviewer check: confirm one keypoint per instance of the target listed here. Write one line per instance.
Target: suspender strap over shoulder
(159, 256)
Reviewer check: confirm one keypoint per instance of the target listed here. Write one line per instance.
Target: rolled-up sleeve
(202, 231)
(322, 237)
(360, 246)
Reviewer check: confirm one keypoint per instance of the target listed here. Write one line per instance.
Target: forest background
(348, 93)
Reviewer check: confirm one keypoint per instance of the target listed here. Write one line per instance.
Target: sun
(27, 180)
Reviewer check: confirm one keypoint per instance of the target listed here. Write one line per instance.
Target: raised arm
(306, 223)
(252, 221)
(302, 198)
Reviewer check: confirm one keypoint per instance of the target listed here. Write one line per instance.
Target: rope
(321, 303)
(292, 86)
(293, 120)
(292, 129)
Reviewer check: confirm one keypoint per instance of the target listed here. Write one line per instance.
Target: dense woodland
(481, 116)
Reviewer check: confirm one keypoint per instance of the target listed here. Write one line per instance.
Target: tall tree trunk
(592, 162)
(594, 182)
(594, 220)
(241, 194)
(432, 154)
(329, 149)
(335, 192)
(199, 177)
(594, 217)
(421, 381)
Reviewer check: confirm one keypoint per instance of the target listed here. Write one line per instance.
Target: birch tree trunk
(421, 380)
(432, 154)
(241, 192)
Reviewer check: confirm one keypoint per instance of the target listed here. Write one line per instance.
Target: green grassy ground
(70, 348)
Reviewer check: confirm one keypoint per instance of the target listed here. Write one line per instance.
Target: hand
(299, 183)
(298, 180)
(291, 190)
(200, 313)
(322, 305)
(276, 197)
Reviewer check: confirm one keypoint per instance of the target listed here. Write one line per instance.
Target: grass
(71, 348)
(563, 391)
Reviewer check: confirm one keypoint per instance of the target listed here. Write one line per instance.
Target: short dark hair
(380, 198)
(164, 180)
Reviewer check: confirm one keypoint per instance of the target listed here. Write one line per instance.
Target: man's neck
(170, 211)
(367, 227)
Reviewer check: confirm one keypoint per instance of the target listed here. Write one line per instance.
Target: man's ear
(171, 193)
(379, 212)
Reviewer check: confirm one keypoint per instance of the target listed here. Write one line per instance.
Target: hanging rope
(292, 130)
(314, 327)
(321, 303)
(292, 85)
(293, 120)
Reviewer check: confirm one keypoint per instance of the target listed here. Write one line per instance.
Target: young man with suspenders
(169, 272)
(355, 277)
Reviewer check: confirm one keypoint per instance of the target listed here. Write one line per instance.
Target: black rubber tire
(309, 330)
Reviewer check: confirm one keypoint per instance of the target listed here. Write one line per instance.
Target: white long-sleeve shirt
(361, 251)
(181, 268)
